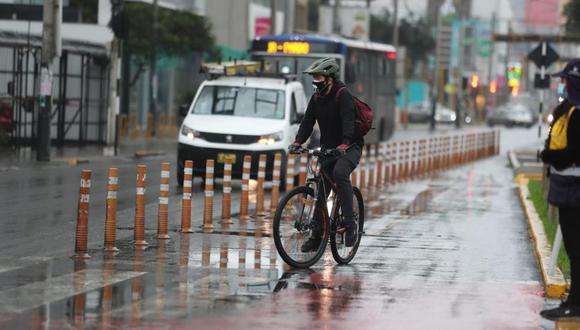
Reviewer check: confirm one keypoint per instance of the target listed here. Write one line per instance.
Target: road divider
(82, 230)
(111, 216)
(381, 167)
(163, 214)
(139, 225)
(186, 197)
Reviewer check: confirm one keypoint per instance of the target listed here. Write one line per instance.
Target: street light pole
(153, 68)
(50, 48)
(336, 17)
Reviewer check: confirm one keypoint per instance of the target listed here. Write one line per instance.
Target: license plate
(222, 157)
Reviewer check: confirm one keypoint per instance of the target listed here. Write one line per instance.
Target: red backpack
(364, 113)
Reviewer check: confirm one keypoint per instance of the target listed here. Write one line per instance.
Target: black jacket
(336, 118)
(562, 159)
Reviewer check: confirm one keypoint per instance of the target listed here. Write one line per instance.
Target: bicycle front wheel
(343, 254)
(295, 223)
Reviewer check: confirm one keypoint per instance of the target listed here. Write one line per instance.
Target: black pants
(340, 171)
(570, 226)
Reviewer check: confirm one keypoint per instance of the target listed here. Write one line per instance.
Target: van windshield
(240, 101)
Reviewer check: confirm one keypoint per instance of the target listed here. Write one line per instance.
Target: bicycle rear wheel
(342, 253)
(293, 225)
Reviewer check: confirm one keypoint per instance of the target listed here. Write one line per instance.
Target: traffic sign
(543, 55)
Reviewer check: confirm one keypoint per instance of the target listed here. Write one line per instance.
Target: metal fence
(80, 94)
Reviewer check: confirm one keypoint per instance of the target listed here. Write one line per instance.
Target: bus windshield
(240, 101)
(291, 64)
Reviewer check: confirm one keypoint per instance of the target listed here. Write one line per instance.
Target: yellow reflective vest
(559, 131)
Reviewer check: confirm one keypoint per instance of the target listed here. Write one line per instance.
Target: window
(240, 101)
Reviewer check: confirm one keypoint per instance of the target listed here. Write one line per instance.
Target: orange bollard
(186, 198)
(111, 217)
(260, 210)
(82, 230)
(139, 234)
(303, 168)
(290, 172)
(245, 196)
(380, 166)
(363, 167)
(407, 160)
(414, 158)
(395, 159)
(208, 203)
(354, 176)
(227, 193)
(372, 163)
(276, 182)
(420, 158)
(163, 215)
(388, 163)
(401, 161)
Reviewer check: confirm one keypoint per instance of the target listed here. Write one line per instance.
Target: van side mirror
(183, 109)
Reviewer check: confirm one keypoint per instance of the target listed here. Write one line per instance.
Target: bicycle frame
(317, 180)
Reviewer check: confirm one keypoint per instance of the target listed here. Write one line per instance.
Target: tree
(179, 33)
(572, 13)
(414, 34)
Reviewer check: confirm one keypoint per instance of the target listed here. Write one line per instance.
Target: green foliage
(313, 6)
(572, 13)
(179, 32)
(537, 197)
(413, 34)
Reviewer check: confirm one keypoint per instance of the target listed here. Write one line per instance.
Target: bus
(367, 68)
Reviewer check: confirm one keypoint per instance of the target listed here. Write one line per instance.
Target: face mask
(562, 90)
(320, 86)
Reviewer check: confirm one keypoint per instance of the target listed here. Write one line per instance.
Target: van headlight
(189, 132)
(271, 138)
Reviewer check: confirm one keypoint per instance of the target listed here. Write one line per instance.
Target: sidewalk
(75, 155)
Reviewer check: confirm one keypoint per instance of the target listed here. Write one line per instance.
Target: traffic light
(474, 81)
(492, 87)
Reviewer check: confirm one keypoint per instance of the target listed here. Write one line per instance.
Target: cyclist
(335, 115)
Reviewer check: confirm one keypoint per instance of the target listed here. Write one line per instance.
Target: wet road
(450, 252)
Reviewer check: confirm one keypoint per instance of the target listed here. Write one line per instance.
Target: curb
(516, 166)
(555, 285)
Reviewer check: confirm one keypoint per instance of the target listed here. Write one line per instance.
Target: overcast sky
(481, 8)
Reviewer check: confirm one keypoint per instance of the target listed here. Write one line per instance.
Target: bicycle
(294, 217)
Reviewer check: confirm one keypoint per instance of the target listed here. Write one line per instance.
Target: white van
(234, 116)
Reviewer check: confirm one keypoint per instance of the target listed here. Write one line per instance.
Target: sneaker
(565, 310)
(350, 236)
(311, 244)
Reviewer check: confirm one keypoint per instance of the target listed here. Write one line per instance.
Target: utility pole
(336, 17)
(273, 11)
(395, 23)
(460, 80)
(153, 67)
(435, 84)
(289, 16)
(50, 49)
(490, 61)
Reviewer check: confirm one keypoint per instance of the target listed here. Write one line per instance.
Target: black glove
(294, 148)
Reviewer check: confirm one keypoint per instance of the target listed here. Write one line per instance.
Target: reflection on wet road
(448, 252)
